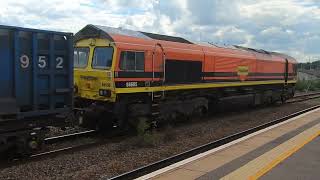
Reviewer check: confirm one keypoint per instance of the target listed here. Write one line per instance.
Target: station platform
(289, 150)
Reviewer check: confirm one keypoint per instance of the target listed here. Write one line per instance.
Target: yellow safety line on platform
(264, 163)
(281, 158)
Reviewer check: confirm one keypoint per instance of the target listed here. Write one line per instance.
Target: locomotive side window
(132, 61)
(140, 61)
(81, 56)
(102, 58)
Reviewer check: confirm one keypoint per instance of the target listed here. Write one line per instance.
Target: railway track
(195, 151)
(89, 134)
(55, 139)
(52, 140)
(92, 133)
(304, 97)
(307, 94)
(62, 150)
(66, 149)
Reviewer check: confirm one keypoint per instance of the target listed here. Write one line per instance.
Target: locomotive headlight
(103, 92)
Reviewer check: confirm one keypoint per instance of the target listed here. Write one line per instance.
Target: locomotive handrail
(164, 63)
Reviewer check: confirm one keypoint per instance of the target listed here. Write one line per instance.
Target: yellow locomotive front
(98, 103)
(93, 69)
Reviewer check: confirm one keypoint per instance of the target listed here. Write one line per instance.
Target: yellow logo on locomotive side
(243, 70)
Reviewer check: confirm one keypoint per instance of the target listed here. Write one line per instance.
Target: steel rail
(51, 140)
(304, 97)
(307, 94)
(63, 150)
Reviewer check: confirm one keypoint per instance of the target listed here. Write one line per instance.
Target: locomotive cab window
(102, 58)
(132, 61)
(80, 58)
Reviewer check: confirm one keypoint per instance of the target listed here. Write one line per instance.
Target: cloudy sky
(289, 26)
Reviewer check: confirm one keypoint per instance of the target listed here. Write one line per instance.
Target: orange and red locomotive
(140, 74)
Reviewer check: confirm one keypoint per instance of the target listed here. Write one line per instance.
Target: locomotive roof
(113, 35)
(97, 31)
(264, 52)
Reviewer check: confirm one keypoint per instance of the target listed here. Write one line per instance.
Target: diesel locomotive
(124, 77)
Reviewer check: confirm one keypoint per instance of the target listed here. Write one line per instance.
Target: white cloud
(289, 26)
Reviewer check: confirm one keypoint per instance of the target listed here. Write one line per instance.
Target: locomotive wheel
(200, 111)
(141, 125)
(213, 106)
(26, 146)
(120, 126)
(86, 119)
(283, 99)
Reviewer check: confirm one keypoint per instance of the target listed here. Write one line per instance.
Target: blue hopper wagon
(36, 82)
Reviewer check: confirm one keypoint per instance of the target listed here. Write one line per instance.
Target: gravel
(57, 131)
(115, 158)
